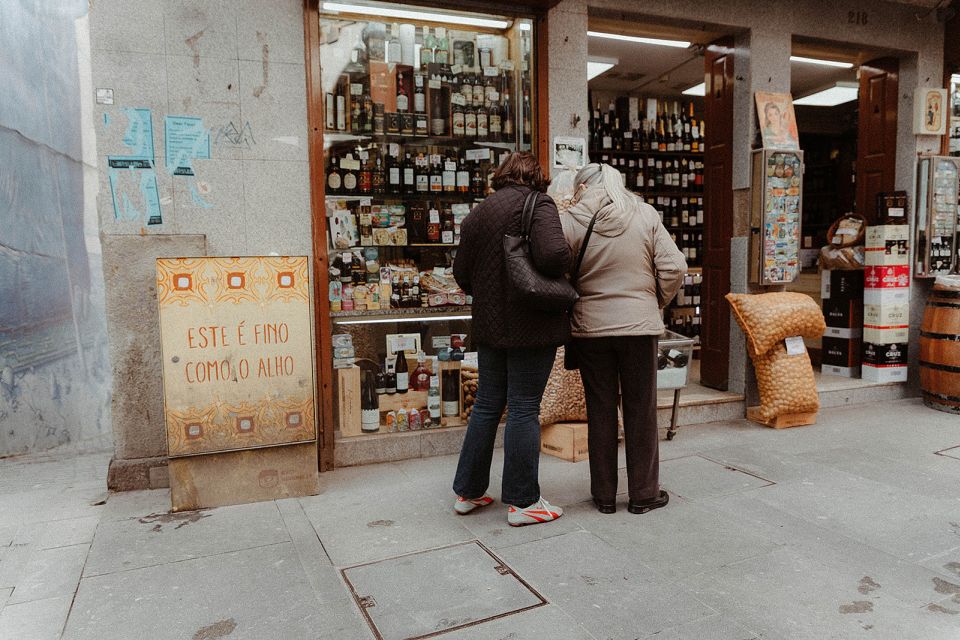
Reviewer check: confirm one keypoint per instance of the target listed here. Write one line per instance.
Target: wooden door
(718, 215)
(877, 134)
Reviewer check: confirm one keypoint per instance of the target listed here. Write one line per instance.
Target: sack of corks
(784, 376)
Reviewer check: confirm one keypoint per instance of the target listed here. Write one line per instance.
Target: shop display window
(420, 106)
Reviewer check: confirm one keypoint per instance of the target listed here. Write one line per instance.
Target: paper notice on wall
(185, 139)
(133, 188)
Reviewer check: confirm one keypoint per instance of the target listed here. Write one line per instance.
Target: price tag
(439, 271)
(364, 155)
(456, 69)
(450, 166)
(795, 346)
(478, 154)
(418, 79)
(395, 149)
(434, 216)
(896, 212)
(435, 158)
(491, 72)
(356, 89)
(460, 208)
(507, 65)
(458, 99)
(350, 164)
(441, 342)
(365, 202)
(434, 83)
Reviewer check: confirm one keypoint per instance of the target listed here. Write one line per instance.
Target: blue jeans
(512, 379)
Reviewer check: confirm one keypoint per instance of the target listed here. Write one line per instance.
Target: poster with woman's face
(778, 124)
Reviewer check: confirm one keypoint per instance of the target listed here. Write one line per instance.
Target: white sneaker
(539, 511)
(463, 506)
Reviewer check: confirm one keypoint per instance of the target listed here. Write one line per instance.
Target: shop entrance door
(718, 214)
(877, 135)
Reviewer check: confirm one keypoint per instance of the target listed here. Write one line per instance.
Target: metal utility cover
(424, 594)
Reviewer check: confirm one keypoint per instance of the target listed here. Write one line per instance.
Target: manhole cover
(424, 594)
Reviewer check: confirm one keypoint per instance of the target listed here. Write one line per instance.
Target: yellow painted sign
(237, 353)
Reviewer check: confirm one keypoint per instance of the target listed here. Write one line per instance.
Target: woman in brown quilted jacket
(516, 343)
(631, 270)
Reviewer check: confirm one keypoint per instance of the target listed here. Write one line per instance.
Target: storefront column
(567, 95)
(761, 63)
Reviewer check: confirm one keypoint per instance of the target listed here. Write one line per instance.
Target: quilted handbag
(529, 285)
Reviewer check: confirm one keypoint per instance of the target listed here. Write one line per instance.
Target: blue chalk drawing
(185, 139)
(106, 120)
(139, 135)
(197, 200)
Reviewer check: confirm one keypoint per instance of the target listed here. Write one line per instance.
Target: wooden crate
(349, 408)
(784, 421)
(565, 440)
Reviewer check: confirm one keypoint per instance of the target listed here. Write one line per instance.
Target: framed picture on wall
(930, 112)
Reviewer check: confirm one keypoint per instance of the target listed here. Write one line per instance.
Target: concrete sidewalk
(846, 529)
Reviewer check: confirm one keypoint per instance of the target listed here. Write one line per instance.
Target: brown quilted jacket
(499, 319)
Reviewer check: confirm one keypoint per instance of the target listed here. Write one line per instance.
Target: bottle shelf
(656, 154)
(341, 137)
(419, 196)
(411, 314)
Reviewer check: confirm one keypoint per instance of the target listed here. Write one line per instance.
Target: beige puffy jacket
(631, 270)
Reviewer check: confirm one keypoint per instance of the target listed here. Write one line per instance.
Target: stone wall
(238, 66)
(54, 375)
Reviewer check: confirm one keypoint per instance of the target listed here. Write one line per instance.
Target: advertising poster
(778, 123)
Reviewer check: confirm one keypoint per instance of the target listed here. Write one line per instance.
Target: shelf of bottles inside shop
(661, 159)
(414, 126)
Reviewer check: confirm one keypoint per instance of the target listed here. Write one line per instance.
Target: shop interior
(646, 87)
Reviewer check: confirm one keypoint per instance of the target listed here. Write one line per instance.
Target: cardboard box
(883, 335)
(845, 313)
(886, 296)
(878, 236)
(238, 477)
(840, 352)
(887, 277)
(565, 440)
(897, 255)
(885, 355)
(837, 284)
(841, 332)
(383, 85)
(845, 372)
(886, 315)
(884, 374)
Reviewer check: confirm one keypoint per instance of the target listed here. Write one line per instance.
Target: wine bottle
(403, 372)
(369, 404)
(451, 393)
(433, 400)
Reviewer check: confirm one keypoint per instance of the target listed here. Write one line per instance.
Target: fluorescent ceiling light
(696, 90)
(839, 93)
(824, 63)
(682, 44)
(597, 66)
(390, 12)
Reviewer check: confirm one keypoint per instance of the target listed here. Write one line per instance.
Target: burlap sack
(563, 399)
(769, 318)
(786, 383)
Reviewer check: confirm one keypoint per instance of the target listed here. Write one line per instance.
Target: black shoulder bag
(530, 286)
(570, 360)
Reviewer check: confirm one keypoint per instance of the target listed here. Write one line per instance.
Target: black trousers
(613, 367)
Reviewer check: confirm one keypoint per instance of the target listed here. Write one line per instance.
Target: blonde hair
(609, 179)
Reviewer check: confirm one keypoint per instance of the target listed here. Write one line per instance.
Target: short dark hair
(520, 168)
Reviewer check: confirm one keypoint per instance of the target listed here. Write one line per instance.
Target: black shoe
(649, 505)
(605, 507)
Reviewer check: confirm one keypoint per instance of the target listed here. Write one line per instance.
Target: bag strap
(526, 219)
(575, 275)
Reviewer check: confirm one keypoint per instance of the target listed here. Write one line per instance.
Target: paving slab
(50, 503)
(859, 563)
(35, 620)
(718, 627)
(65, 533)
(698, 477)
(611, 594)
(51, 573)
(679, 540)
(5, 594)
(161, 538)
(364, 523)
(136, 504)
(253, 593)
(543, 622)
(787, 595)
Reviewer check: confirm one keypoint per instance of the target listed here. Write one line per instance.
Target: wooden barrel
(940, 350)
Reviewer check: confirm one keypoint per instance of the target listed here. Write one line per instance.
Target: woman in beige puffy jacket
(631, 270)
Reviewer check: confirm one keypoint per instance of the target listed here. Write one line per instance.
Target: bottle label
(403, 381)
(334, 181)
(394, 175)
(419, 103)
(450, 408)
(402, 102)
(350, 182)
(408, 176)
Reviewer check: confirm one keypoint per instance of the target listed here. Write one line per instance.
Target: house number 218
(857, 17)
